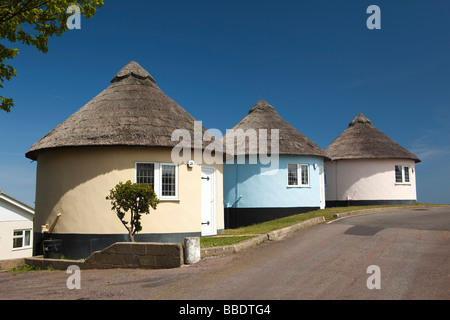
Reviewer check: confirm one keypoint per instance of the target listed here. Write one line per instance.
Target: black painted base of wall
(80, 246)
(348, 203)
(242, 217)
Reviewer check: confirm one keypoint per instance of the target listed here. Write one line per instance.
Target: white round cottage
(367, 167)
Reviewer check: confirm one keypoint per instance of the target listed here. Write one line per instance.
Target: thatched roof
(132, 111)
(264, 116)
(361, 140)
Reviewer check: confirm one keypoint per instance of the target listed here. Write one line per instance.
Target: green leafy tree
(135, 198)
(33, 22)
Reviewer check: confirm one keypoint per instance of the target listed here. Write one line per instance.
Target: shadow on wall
(61, 171)
(366, 179)
(68, 168)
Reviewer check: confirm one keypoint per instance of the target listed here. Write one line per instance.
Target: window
(145, 173)
(292, 175)
(298, 175)
(168, 180)
(305, 174)
(21, 239)
(162, 177)
(401, 174)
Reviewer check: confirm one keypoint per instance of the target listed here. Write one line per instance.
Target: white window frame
(22, 236)
(402, 168)
(299, 175)
(158, 179)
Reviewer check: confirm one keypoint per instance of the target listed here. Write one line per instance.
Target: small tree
(133, 197)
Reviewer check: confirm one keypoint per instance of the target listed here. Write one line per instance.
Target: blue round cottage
(271, 169)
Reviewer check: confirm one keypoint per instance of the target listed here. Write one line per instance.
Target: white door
(208, 201)
(322, 187)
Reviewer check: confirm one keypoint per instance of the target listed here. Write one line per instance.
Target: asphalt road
(411, 249)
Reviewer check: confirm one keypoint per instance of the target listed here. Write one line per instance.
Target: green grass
(25, 268)
(266, 227)
(208, 242)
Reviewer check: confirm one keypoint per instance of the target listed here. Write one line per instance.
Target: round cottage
(367, 167)
(122, 134)
(292, 183)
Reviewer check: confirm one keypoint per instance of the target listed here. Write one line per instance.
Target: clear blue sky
(316, 62)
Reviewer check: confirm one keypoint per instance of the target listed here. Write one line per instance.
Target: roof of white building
(361, 140)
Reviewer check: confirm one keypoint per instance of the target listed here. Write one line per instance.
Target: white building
(16, 228)
(369, 168)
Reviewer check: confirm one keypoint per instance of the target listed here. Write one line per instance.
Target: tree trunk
(132, 227)
(131, 235)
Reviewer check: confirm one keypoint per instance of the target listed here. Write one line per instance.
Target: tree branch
(23, 10)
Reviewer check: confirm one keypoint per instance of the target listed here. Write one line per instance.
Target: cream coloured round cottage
(124, 133)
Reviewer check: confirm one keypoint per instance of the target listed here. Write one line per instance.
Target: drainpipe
(336, 180)
(46, 229)
(237, 196)
(237, 200)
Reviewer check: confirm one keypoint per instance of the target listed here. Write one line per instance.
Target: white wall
(13, 218)
(368, 179)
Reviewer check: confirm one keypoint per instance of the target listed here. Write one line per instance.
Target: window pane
(27, 238)
(168, 180)
(146, 174)
(292, 175)
(305, 177)
(18, 233)
(398, 174)
(17, 243)
(406, 169)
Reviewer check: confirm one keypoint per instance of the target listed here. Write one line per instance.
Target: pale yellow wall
(75, 182)
(368, 179)
(6, 239)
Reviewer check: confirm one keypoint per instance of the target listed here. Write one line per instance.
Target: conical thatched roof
(264, 116)
(361, 140)
(132, 111)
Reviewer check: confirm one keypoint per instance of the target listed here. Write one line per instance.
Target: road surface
(409, 248)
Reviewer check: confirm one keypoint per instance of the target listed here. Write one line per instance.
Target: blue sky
(316, 62)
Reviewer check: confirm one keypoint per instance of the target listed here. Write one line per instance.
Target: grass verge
(25, 268)
(266, 227)
(208, 242)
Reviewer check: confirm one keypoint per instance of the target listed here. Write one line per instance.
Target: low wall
(11, 263)
(138, 255)
(152, 255)
(230, 249)
(118, 255)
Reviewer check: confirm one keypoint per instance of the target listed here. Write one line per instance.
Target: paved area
(327, 261)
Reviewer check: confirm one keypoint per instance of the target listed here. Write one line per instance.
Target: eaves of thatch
(131, 111)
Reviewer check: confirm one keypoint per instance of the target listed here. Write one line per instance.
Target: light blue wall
(270, 190)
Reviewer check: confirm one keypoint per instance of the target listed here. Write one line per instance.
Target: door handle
(207, 223)
(206, 178)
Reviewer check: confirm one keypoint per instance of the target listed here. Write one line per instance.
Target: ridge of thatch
(133, 69)
(263, 116)
(362, 140)
(360, 118)
(131, 111)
